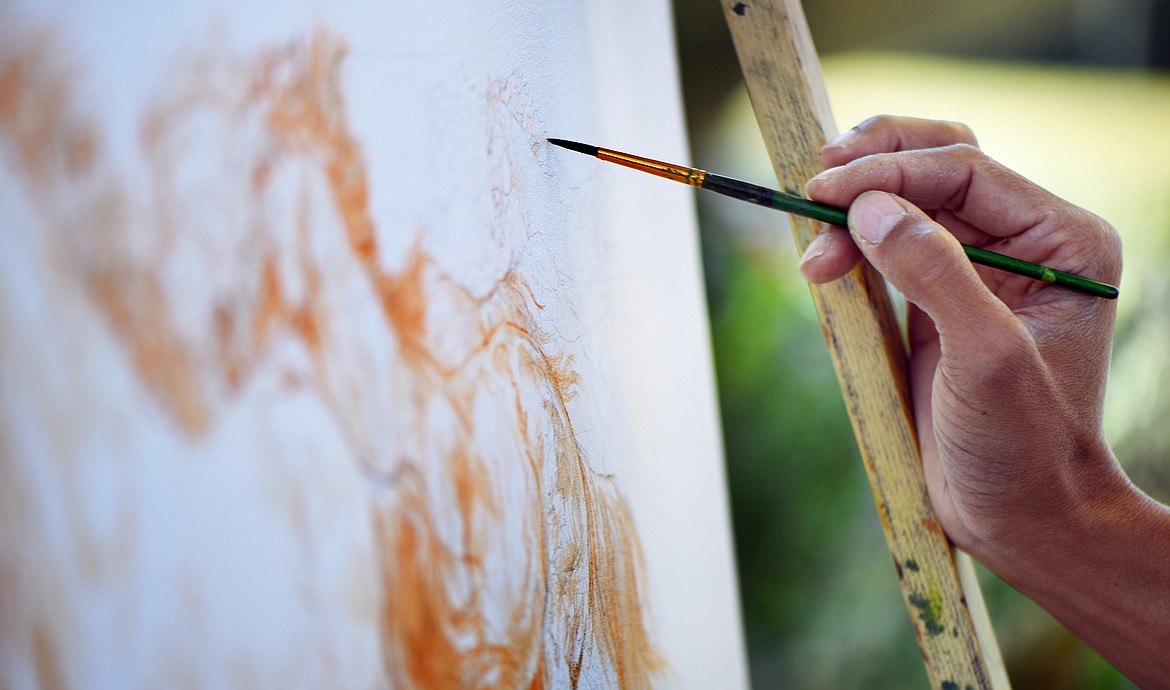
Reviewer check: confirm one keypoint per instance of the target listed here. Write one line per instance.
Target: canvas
(320, 368)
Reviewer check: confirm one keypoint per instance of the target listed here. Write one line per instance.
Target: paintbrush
(790, 203)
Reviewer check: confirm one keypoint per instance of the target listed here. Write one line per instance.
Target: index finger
(888, 133)
(960, 179)
(983, 203)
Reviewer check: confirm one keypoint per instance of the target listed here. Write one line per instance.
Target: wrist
(1101, 567)
(1084, 514)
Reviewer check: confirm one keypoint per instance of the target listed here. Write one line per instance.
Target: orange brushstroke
(405, 306)
(504, 559)
(57, 152)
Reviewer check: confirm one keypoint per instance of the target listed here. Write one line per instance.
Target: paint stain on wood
(929, 607)
(503, 559)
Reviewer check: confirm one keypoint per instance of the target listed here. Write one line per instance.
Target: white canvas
(320, 368)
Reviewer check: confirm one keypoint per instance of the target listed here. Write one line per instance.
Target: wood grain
(942, 595)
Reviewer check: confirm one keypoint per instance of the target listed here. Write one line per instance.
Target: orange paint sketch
(238, 269)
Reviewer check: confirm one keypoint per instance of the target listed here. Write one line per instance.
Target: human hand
(1007, 374)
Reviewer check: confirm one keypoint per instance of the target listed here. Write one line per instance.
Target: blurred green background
(1074, 94)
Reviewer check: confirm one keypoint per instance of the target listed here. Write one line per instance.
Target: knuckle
(1103, 233)
(961, 133)
(1106, 243)
(963, 160)
(887, 132)
(1093, 241)
(876, 122)
(968, 153)
(921, 246)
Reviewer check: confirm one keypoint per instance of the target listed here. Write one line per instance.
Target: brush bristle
(575, 146)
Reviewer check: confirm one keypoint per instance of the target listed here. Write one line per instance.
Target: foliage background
(1073, 94)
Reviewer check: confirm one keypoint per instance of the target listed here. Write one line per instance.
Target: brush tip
(574, 146)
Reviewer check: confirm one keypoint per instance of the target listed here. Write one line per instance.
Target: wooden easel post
(784, 82)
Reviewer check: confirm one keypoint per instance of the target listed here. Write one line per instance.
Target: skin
(1007, 376)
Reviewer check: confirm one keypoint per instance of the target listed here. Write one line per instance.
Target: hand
(1007, 373)
(1007, 377)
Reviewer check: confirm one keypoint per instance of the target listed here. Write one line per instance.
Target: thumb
(924, 262)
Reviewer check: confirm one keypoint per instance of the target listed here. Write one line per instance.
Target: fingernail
(843, 140)
(874, 215)
(816, 248)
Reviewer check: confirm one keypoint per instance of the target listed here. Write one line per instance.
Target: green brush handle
(837, 216)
